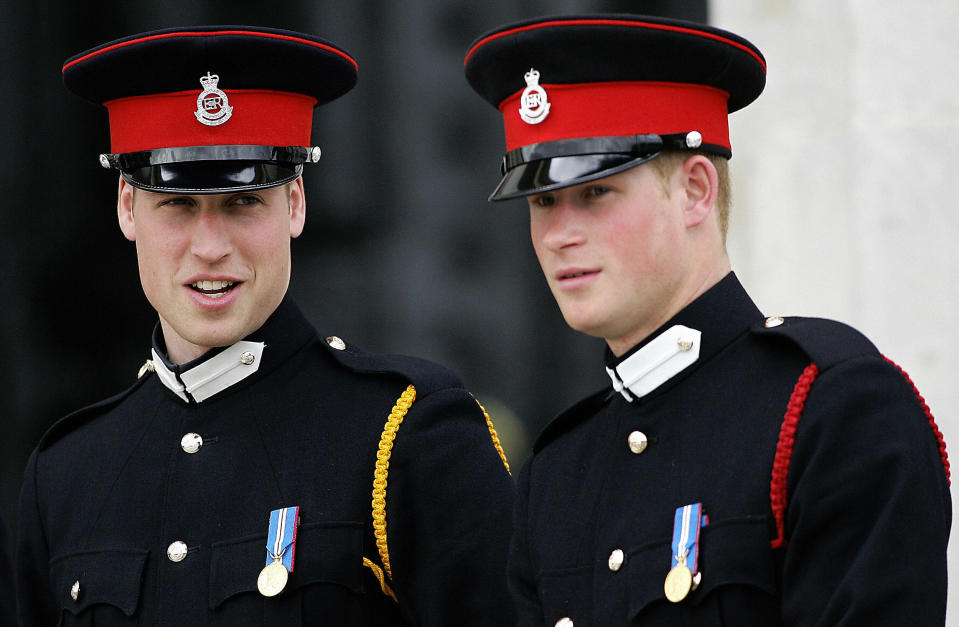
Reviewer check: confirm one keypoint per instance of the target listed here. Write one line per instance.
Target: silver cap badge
(212, 106)
(534, 102)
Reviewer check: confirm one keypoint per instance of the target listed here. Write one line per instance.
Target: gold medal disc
(272, 579)
(678, 583)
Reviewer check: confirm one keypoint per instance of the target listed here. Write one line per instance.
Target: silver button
(75, 590)
(565, 621)
(637, 442)
(774, 321)
(616, 559)
(336, 343)
(247, 358)
(694, 139)
(315, 153)
(104, 162)
(176, 551)
(191, 442)
(684, 344)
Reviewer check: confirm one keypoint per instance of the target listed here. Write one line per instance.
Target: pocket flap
(731, 552)
(325, 553)
(108, 576)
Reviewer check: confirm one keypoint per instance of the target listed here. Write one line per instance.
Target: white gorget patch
(668, 354)
(213, 375)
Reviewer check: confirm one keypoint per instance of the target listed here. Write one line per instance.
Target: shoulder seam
(57, 429)
(556, 426)
(426, 375)
(825, 342)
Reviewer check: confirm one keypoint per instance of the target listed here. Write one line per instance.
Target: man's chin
(216, 340)
(586, 325)
(197, 342)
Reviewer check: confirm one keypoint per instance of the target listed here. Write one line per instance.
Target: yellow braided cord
(382, 470)
(378, 573)
(492, 433)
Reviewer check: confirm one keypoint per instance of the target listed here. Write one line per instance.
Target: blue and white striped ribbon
(281, 539)
(687, 522)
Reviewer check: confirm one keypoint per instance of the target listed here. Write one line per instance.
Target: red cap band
(259, 118)
(621, 108)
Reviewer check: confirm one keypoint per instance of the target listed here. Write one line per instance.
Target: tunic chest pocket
(98, 587)
(738, 585)
(329, 557)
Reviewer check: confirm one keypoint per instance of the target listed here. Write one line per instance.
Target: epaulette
(572, 416)
(425, 375)
(80, 417)
(825, 342)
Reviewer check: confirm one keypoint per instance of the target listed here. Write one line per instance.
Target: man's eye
(246, 200)
(175, 202)
(596, 190)
(544, 201)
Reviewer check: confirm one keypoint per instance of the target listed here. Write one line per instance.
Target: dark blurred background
(402, 253)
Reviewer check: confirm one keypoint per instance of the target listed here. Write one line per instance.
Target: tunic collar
(665, 356)
(215, 374)
(222, 368)
(697, 333)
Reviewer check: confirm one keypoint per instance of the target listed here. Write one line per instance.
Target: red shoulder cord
(932, 421)
(787, 437)
(784, 451)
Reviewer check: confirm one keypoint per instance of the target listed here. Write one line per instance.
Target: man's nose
(563, 226)
(211, 241)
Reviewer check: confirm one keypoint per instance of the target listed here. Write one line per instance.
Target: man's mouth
(575, 275)
(213, 289)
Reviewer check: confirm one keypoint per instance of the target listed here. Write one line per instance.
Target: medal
(280, 547)
(272, 579)
(683, 575)
(679, 582)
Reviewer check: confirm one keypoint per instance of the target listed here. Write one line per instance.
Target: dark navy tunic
(110, 488)
(867, 513)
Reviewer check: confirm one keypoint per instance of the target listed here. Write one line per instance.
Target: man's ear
(125, 210)
(701, 184)
(297, 207)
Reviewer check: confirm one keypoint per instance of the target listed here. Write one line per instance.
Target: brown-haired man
(255, 474)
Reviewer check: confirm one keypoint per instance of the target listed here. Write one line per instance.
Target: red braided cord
(932, 421)
(784, 450)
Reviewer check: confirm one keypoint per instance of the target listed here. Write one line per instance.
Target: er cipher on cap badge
(534, 102)
(212, 106)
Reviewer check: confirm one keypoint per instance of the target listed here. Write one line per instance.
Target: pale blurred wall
(843, 178)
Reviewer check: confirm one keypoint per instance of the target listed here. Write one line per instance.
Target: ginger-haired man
(741, 469)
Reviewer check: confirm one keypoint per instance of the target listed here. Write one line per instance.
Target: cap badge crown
(212, 106)
(534, 104)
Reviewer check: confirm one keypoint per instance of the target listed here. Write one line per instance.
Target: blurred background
(841, 183)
